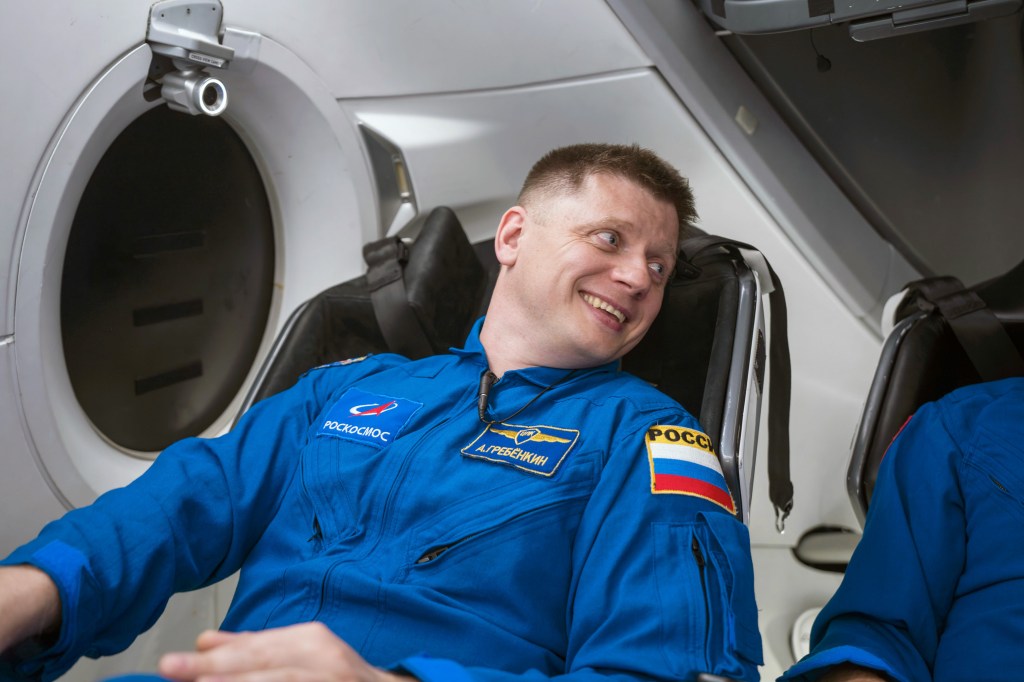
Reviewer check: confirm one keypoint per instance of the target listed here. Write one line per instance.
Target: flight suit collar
(541, 376)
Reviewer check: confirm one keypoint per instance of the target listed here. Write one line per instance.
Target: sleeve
(662, 585)
(889, 610)
(187, 522)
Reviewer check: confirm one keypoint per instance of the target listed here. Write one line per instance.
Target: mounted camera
(183, 35)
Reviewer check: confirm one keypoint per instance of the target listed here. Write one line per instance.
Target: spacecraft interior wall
(82, 43)
(407, 47)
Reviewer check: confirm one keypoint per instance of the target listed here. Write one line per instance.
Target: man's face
(589, 269)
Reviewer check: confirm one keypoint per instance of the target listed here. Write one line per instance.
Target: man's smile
(605, 306)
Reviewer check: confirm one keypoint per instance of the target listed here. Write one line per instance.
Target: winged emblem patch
(535, 449)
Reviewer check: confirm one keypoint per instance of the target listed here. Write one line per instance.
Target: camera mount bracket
(185, 36)
(187, 30)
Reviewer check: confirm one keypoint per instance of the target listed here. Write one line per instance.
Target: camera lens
(212, 97)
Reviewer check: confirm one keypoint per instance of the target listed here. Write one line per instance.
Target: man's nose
(635, 273)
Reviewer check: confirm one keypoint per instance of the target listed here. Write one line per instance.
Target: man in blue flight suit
(935, 589)
(572, 523)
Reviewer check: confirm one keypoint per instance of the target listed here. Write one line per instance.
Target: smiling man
(585, 258)
(517, 509)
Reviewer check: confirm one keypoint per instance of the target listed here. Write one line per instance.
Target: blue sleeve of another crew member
(889, 611)
(642, 605)
(177, 527)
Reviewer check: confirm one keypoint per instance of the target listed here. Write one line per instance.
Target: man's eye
(659, 268)
(610, 238)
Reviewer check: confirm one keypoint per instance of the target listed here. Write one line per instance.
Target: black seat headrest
(433, 287)
(425, 295)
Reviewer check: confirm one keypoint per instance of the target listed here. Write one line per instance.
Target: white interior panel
(785, 588)
(52, 52)
(400, 47)
(27, 501)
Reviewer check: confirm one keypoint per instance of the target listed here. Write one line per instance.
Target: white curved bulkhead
(471, 94)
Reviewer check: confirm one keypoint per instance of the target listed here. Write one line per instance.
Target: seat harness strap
(399, 324)
(780, 487)
(975, 326)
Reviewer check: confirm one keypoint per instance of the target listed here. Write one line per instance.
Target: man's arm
(664, 587)
(29, 602)
(190, 520)
(889, 611)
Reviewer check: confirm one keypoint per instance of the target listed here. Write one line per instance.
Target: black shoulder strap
(975, 326)
(398, 321)
(780, 487)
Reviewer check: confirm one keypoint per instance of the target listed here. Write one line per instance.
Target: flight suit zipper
(385, 516)
(433, 553)
(317, 533)
(698, 556)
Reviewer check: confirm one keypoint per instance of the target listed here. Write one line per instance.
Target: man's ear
(510, 231)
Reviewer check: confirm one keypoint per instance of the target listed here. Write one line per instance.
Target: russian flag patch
(683, 462)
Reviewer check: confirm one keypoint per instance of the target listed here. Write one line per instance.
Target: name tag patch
(535, 449)
(367, 417)
(684, 463)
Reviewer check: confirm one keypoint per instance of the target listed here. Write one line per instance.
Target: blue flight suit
(372, 498)
(935, 589)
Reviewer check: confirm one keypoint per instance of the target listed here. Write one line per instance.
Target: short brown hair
(565, 169)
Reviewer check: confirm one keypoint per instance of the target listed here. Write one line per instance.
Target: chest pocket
(494, 501)
(994, 468)
(504, 549)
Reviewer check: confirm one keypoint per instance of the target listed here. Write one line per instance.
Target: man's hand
(300, 652)
(29, 602)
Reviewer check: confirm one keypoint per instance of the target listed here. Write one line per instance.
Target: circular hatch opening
(167, 279)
